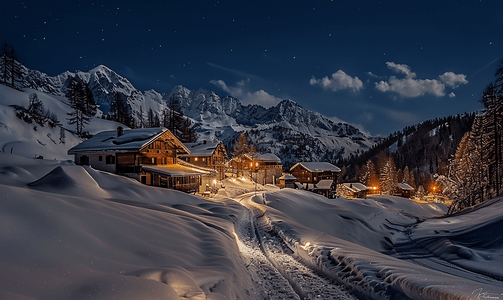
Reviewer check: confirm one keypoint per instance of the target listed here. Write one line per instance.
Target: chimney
(120, 130)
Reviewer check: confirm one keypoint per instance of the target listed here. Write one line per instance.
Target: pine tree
(141, 118)
(62, 135)
(36, 109)
(157, 121)
(16, 69)
(388, 178)
(90, 106)
(11, 70)
(82, 106)
(369, 174)
(4, 63)
(188, 133)
(119, 110)
(241, 146)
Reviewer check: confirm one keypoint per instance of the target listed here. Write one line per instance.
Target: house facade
(313, 172)
(264, 168)
(212, 155)
(147, 154)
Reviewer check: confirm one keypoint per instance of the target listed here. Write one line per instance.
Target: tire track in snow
(302, 280)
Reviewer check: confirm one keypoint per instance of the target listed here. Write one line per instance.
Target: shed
(404, 190)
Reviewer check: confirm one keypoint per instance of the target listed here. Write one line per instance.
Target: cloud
(453, 80)
(241, 92)
(411, 87)
(372, 74)
(339, 81)
(262, 98)
(401, 68)
(236, 91)
(452, 95)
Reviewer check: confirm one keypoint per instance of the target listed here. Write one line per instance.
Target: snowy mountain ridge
(287, 129)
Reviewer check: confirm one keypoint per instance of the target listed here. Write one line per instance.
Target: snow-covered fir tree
(388, 177)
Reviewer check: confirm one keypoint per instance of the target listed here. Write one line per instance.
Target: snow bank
(472, 239)
(339, 238)
(68, 233)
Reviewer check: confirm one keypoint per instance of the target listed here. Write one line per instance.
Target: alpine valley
(287, 129)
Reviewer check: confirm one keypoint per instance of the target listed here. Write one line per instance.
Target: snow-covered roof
(131, 140)
(324, 184)
(265, 157)
(299, 185)
(287, 177)
(404, 186)
(201, 148)
(175, 170)
(355, 187)
(317, 166)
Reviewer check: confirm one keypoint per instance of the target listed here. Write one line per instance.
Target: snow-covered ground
(71, 232)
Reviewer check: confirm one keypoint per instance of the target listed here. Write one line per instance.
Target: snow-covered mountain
(287, 130)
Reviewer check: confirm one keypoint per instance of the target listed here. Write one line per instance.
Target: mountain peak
(102, 68)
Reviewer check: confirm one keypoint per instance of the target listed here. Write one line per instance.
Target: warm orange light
(256, 164)
(251, 164)
(196, 158)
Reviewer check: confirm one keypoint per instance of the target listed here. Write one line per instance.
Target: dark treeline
(11, 70)
(475, 172)
(425, 149)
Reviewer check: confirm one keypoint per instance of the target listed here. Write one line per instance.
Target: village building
(326, 187)
(310, 173)
(147, 154)
(263, 168)
(404, 190)
(210, 155)
(287, 181)
(353, 190)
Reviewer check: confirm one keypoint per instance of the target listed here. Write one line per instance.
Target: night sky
(379, 64)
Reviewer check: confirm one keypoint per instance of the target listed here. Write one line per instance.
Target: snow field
(72, 232)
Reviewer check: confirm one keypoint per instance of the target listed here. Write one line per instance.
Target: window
(100, 158)
(110, 159)
(84, 160)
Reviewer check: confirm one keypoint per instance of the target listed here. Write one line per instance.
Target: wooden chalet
(264, 168)
(210, 155)
(287, 181)
(326, 187)
(147, 154)
(404, 190)
(353, 190)
(313, 172)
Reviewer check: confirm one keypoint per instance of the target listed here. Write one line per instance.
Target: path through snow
(275, 272)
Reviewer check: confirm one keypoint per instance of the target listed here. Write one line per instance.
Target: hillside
(287, 130)
(34, 140)
(425, 148)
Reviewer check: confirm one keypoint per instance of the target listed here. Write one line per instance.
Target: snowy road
(275, 272)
